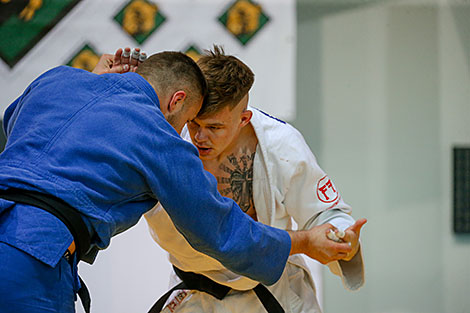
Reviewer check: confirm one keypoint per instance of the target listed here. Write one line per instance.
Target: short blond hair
(228, 80)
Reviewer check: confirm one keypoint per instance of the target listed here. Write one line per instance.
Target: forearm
(245, 247)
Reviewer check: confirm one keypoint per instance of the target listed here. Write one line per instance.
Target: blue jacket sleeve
(213, 224)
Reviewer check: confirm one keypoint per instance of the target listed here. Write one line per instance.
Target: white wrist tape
(335, 236)
(143, 56)
(126, 54)
(135, 54)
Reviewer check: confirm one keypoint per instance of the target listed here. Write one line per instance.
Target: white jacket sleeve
(312, 199)
(308, 191)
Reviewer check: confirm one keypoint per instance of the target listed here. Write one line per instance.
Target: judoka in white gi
(265, 165)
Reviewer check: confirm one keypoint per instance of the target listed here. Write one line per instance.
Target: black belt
(193, 281)
(64, 212)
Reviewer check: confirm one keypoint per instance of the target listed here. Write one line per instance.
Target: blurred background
(380, 90)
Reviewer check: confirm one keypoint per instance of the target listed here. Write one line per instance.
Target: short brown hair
(228, 80)
(171, 71)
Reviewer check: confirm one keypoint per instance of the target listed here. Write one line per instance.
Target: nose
(201, 135)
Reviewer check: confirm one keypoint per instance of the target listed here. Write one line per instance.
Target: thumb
(120, 68)
(356, 227)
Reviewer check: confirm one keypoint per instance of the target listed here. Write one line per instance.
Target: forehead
(221, 116)
(225, 114)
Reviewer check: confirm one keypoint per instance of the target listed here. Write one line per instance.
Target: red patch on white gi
(176, 301)
(326, 191)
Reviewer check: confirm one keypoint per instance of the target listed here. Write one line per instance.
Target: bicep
(312, 192)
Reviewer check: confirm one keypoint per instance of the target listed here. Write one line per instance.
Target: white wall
(454, 112)
(393, 96)
(129, 276)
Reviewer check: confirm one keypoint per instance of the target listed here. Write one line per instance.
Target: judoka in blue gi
(106, 148)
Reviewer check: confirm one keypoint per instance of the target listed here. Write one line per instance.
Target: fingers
(134, 61)
(133, 58)
(334, 252)
(125, 57)
(341, 256)
(341, 247)
(331, 234)
(142, 57)
(322, 249)
(122, 61)
(118, 56)
(120, 68)
(114, 63)
(338, 248)
(104, 64)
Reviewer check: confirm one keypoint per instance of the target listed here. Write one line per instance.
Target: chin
(207, 156)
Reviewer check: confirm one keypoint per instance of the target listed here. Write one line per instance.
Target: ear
(176, 101)
(245, 117)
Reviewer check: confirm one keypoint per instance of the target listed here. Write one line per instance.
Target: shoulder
(279, 137)
(283, 149)
(62, 77)
(63, 70)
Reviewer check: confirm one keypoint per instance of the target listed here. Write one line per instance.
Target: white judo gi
(287, 184)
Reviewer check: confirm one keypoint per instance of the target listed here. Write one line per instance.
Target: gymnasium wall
(383, 97)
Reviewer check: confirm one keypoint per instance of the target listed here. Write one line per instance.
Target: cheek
(221, 138)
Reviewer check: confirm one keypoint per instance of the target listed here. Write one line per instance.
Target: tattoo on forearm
(239, 179)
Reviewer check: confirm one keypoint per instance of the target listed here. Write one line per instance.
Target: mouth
(203, 150)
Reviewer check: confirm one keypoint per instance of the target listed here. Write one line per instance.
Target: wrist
(298, 239)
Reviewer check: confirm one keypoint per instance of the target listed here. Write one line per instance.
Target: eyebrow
(215, 124)
(218, 124)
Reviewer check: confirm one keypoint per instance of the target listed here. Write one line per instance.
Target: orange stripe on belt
(71, 248)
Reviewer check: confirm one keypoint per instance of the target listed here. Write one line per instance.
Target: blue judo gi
(101, 143)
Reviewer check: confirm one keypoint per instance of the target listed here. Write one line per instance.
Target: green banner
(24, 23)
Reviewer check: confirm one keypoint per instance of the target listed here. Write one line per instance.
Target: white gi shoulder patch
(326, 190)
